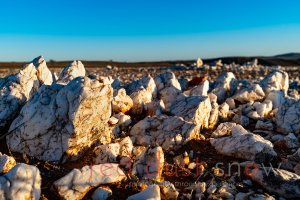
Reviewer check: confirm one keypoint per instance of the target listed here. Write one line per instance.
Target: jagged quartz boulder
(71, 71)
(277, 80)
(288, 117)
(242, 144)
(142, 92)
(15, 90)
(253, 93)
(225, 86)
(170, 132)
(121, 101)
(61, 121)
(193, 109)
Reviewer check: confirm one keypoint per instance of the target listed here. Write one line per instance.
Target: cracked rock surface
(59, 121)
(242, 144)
(168, 132)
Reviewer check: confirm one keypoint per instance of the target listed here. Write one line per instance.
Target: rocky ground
(218, 131)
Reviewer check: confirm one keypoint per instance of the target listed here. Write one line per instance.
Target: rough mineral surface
(44, 75)
(109, 152)
(152, 192)
(142, 92)
(225, 86)
(199, 90)
(168, 88)
(23, 182)
(149, 163)
(278, 181)
(243, 144)
(288, 117)
(168, 132)
(193, 109)
(15, 90)
(6, 163)
(73, 70)
(78, 182)
(62, 120)
(253, 93)
(121, 101)
(277, 80)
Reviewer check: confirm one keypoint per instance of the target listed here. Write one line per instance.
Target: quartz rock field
(197, 131)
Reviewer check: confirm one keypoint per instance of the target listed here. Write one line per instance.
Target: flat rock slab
(59, 122)
(278, 181)
(78, 182)
(170, 132)
(23, 182)
(242, 144)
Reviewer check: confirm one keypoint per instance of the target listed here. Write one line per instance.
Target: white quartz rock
(199, 90)
(73, 70)
(121, 101)
(61, 121)
(77, 183)
(277, 80)
(224, 110)
(15, 90)
(225, 86)
(278, 181)
(44, 75)
(101, 193)
(142, 92)
(166, 79)
(263, 109)
(193, 109)
(22, 182)
(288, 117)
(277, 98)
(168, 88)
(224, 129)
(243, 144)
(152, 192)
(170, 132)
(149, 163)
(6, 163)
(253, 93)
(109, 152)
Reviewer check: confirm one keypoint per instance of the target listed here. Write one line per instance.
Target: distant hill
(289, 59)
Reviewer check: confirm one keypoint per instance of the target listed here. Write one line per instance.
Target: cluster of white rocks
(132, 128)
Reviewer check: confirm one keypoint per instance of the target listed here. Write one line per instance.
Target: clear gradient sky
(135, 30)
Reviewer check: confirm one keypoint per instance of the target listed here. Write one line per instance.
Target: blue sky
(135, 30)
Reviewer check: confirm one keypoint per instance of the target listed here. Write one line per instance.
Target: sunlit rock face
(142, 92)
(277, 80)
(59, 121)
(78, 182)
(169, 132)
(234, 140)
(21, 182)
